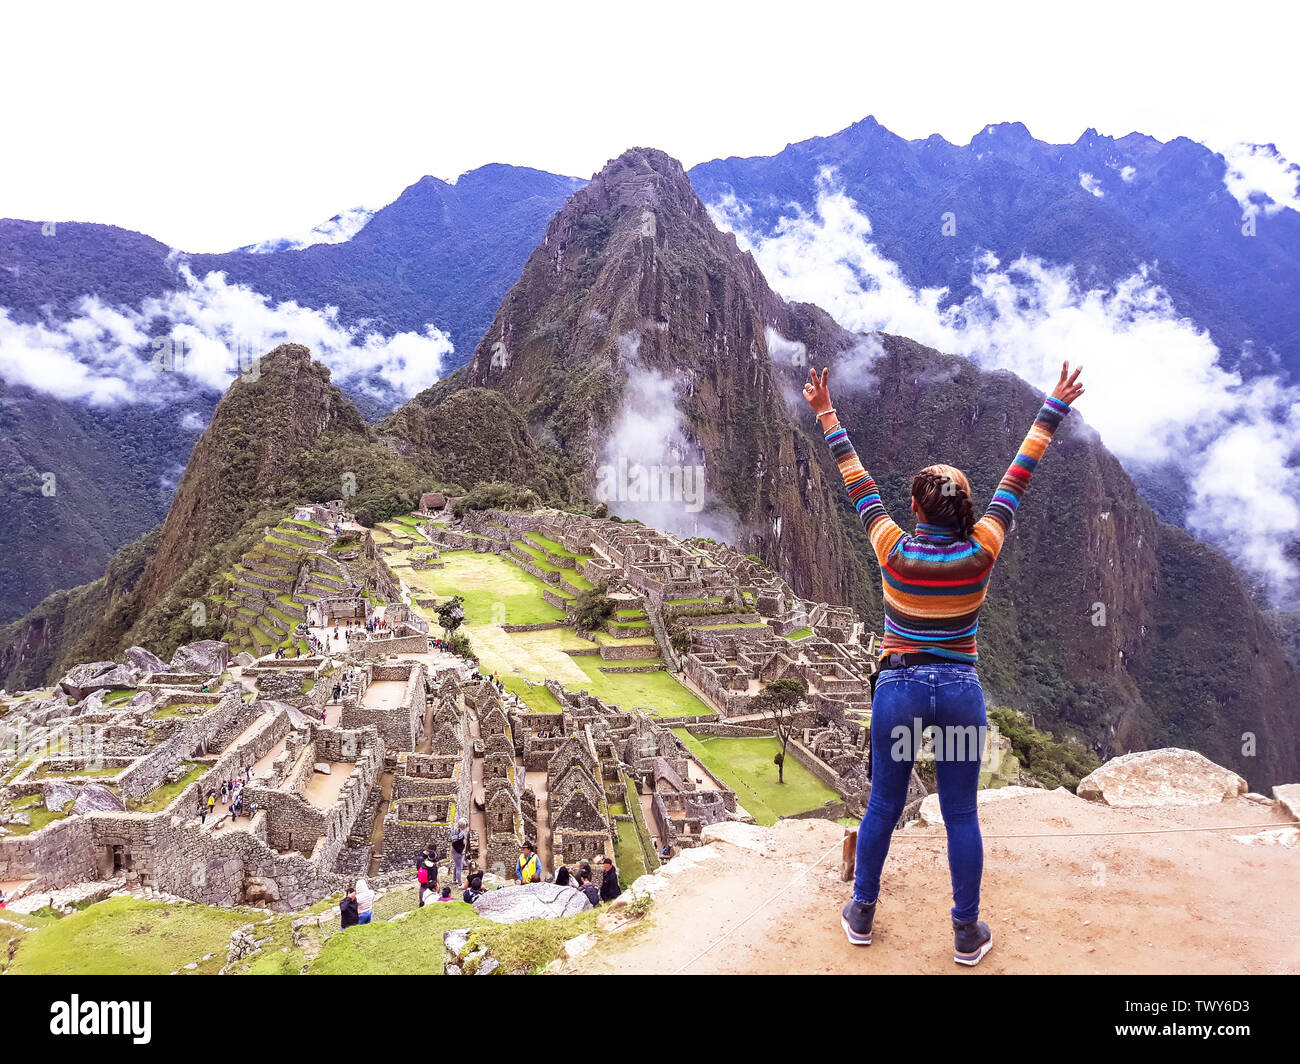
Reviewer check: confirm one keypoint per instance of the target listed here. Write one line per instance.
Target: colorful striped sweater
(934, 583)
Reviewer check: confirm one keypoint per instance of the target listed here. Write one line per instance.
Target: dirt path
(1151, 903)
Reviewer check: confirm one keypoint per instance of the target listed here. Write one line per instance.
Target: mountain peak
(1006, 131)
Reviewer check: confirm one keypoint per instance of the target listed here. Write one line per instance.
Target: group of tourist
(357, 906)
(528, 869)
(231, 794)
(358, 901)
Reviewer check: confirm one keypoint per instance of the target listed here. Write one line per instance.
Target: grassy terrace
(745, 765)
(803, 633)
(34, 807)
(161, 797)
(134, 936)
(498, 592)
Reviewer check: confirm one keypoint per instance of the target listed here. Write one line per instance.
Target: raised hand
(817, 393)
(1067, 388)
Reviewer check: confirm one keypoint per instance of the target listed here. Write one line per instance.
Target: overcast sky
(216, 126)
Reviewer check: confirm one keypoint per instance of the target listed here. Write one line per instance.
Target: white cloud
(1258, 176)
(1127, 174)
(1090, 184)
(106, 355)
(1156, 390)
(339, 229)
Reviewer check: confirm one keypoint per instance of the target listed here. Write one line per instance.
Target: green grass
(39, 817)
(628, 854)
(45, 772)
(161, 797)
(532, 945)
(659, 690)
(550, 545)
(411, 946)
(495, 591)
(177, 710)
(745, 765)
(130, 936)
(576, 579)
(803, 633)
(537, 699)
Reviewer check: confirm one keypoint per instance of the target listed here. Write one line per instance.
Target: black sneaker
(971, 941)
(856, 919)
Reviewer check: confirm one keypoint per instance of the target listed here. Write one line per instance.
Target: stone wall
(151, 770)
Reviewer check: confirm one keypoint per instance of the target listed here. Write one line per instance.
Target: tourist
(527, 867)
(338, 690)
(426, 869)
(473, 888)
(459, 837)
(936, 584)
(446, 894)
(365, 901)
(561, 874)
(609, 888)
(348, 909)
(588, 887)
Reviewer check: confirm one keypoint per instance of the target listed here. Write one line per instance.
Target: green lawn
(410, 946)
(538, 699)
(745, 765)
(495, 591)
(130, 936)
(803, 633)
(658, 690)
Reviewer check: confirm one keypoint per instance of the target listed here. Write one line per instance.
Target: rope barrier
(1136, 831)
(798, 878)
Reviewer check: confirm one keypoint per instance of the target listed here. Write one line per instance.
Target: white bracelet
(824, 412)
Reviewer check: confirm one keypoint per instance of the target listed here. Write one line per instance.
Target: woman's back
(934, 581)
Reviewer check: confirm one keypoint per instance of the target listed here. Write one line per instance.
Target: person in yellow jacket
(528, 869)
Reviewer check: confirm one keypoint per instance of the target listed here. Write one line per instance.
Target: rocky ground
(1064, 900)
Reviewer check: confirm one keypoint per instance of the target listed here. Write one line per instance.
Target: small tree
(779, 702)
(450, 614)
(591, 609)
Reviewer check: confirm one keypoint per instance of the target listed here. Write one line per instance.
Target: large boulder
(144, 662)
(208, 657)
(1165, 777)
(1287, 796)
(59, 793)
(530, 901)
(96, 798)
(81, 680)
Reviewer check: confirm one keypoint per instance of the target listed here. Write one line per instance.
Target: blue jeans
(906, 702)
(364, 918)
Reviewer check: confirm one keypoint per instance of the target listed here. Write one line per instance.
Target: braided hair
(943, 493)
